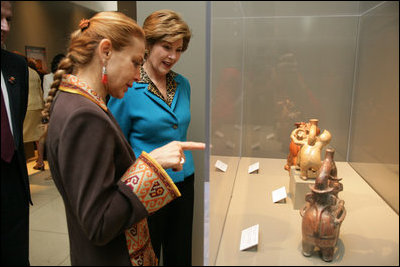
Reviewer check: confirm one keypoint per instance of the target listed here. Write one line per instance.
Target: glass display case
(273, 64)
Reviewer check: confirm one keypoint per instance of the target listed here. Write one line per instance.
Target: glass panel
(269, 72)
(374, 149)
(274, 63)
(299, 8)
(226, 85)
(296, 69)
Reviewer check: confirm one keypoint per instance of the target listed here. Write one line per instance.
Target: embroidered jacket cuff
(150, 183)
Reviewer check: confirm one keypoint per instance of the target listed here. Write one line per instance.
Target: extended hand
(171, 155)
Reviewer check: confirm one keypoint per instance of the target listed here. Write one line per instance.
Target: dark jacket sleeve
(88, 163)
(15, 67)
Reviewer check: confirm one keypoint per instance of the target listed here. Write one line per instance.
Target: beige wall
(192, 66)
(45, 24)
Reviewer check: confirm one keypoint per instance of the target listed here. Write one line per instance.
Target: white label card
(257, 127)
(219, 134)
(220, 165)
(279, 194)
(270, 136)
(256, 146)
(254, 167)
(249, 237)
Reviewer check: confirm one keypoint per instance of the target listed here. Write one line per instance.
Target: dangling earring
(104, 78)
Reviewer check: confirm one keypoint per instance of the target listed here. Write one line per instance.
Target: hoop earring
(104, 77)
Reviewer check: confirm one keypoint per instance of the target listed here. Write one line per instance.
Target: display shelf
(298, 188)
(369, 234)
(221, 186)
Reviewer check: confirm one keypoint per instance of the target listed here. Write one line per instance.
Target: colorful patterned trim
(72, 84)
(155, 189)
(162, 173)
(150, 182)
(139, 246)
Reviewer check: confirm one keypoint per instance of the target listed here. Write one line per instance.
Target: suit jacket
(88, 154)
(13, 65)
(148, 122)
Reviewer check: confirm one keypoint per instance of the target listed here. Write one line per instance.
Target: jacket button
(175, 126)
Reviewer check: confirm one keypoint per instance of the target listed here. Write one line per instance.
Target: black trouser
(171, 227)
(14, 216)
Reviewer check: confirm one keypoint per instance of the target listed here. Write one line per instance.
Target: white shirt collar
(6, 101)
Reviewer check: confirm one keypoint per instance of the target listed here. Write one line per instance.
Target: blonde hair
(166, 25)
(115, 26)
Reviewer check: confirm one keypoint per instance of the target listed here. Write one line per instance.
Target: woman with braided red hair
(108, 191)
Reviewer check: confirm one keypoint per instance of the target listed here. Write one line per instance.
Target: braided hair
(115, 26)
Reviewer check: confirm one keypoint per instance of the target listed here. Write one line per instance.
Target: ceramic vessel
(329, 168)
(302, 133)
(293, 149)
(322, 215)
(309, 156)
(312, 135)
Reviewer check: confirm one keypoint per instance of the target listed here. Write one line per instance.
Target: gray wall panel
(374, 144)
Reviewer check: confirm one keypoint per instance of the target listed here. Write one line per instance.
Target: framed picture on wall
(39, 55)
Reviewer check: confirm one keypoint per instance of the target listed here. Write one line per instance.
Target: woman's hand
(171, 155)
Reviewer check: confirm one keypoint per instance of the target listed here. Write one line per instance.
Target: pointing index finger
(193, 145)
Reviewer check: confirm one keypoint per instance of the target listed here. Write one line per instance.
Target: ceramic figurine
(322, 215)
(312, 135)
(293, 148)
(329, 167)
(309, 156)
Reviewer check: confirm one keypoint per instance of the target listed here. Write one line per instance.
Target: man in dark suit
(15, 192)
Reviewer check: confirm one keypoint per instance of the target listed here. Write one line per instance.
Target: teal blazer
(148, 122)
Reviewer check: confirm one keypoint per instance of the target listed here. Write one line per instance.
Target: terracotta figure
(322, 215)
(329, 168)
(294, 149)
(309, 157)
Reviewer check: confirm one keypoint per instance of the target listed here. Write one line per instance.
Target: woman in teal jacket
(154, 112)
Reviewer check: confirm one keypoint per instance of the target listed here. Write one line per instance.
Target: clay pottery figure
(292, 159)
(329, 168)
(312, 135)
(322, 215)
(293, 149)
(309, 157)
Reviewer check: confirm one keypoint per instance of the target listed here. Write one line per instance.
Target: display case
(273, 64)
